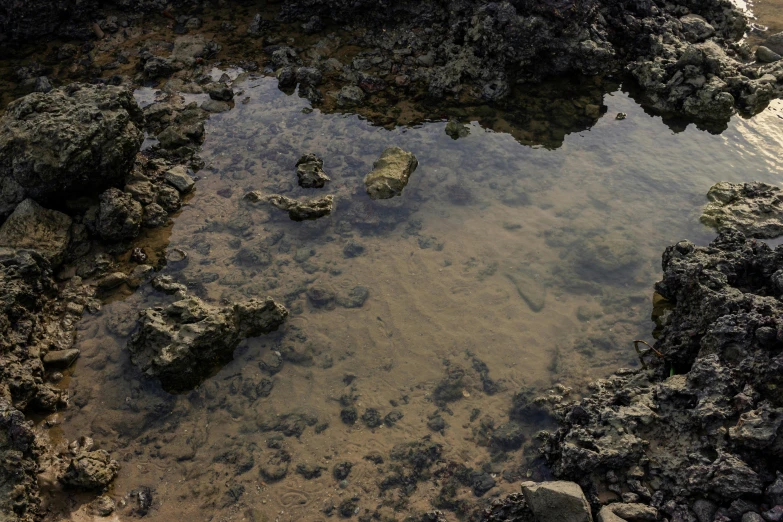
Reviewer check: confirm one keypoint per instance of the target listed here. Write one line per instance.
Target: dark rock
(392, 418)
(119, 216)
(372, 418)
(60, 359)
(349, 415)
(309, 170)
(90, 470)
(31, 226)
(353, 249)
(342, 470)
(309, 471)
(276, 466)
(298, 210)
(354, 299)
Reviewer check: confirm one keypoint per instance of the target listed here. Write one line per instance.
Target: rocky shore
(84, 170)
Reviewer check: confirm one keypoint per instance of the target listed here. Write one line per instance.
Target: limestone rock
(756, 209)
(298, 210)
(33, 227)
(119, 216)
(184, 342)
(557, 501)
(72, 140)
(90, 470)
(390, 173)
(180, 178)
(310, 171)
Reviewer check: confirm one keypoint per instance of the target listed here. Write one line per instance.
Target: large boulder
(67, 141)
(557, 501)
(390, 173)
(33, 227)
(186, 341)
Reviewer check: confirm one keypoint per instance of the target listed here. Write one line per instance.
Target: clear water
(485, 226)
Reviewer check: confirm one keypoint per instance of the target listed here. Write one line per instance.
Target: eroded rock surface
(31, 226)
(310, 172)
(77, 139)
(390, 173)
(715, 371)
(756, 209)
(187, 340)
(305, 209)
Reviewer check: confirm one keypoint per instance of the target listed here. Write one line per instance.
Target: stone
(215, 106)
(154, 216)
(102, 506)
(112, 280)
(183, 343)
(187, 49)
(90, 470)
(755, 209)
(634, 512)
(704, 510)
(310, 171)
(557, 501)
(696, 28)
(298, 210)
(350, 95)
(607, 515)
(180, 178)
(220, 92)
(775, 43)
(308, 76)
(72, 141)
(31, 226)
(774, 491)
(390, 173)
(119, 216)
(60, 359)
(752, 516)
(766, 55)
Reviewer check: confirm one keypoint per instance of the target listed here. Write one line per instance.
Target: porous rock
(31, 226)
(90, 470)
(756, 209)
(184, 342)
(73, 140)
(310, 171)
(390, 173)
(557, 501)
(298, 210)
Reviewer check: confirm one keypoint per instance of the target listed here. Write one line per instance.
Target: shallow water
(457, 269)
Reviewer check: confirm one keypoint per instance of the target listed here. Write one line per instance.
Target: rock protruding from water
(33, 227)
(390, 174)
(306, 209)
(90, 470)
(557, 501)
(184, 342)
(80, 138)
(756, 209)
(310, 171)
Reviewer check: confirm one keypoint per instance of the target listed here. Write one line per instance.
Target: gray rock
(60, 359)
(775, 43)
(154, 216)
(774, 491)
(119, 216)
(298, 210)
(179, 177)
(390, 173)
(73, 140)
(310, 172)
(751, 516)
(696, 28)
(634, 512)
(31, 226)
(607, 515)
(220, 92)
(704, 510)
(309, 76)
(184, 342)
(215, 106)
(90, 470)
(187, 49)
(350, 95)
(756, 209)
(42, 84)
(557, 501)
(157, 67)
(766, 55)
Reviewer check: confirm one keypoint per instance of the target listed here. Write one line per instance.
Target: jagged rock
(119, 216)
(184, 342)
(90, 470)
(557, 501)
(298, 210)
(220, 92)
(73, 140)
(179, 178)
(33, 227)
(310, 171)
(390, 173)
(19, 453)
(696, 28)
(754, 208)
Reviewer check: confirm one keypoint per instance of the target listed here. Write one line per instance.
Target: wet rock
(157, 67)
(188, 49)
(756, 209)
(321, 295)
(390, 173)
(153, 216)
(19, 452)
(309, 471)
(704, 510)
(102, 506)
(342, 470)
(276, 466)
(372, 418)
(31, 226)
(180, 178)
(696, 28)
(298, 210)
(308, 76)
(456, 130)
(766, 55)
(219, 92)
(508, 437)
(215, 107)
(355, 298)
(392, 418)
(436, 423)
(349, 415)
(119, 216)
(775, 43)
(142, 499)
(90, 470)
(60, 359)
(112, 280)
(168, 197)
(70, 141)
(557, 501)
(309, 171)
(349, 96)
(182, 343)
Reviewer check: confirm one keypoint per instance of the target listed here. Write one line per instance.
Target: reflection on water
(537, 262)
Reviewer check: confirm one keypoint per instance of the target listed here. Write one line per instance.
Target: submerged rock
(298, 210)
(754, 208)
(184, 342)
(33, 227)
(70, 141)
(310, 171)
(390, 173)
